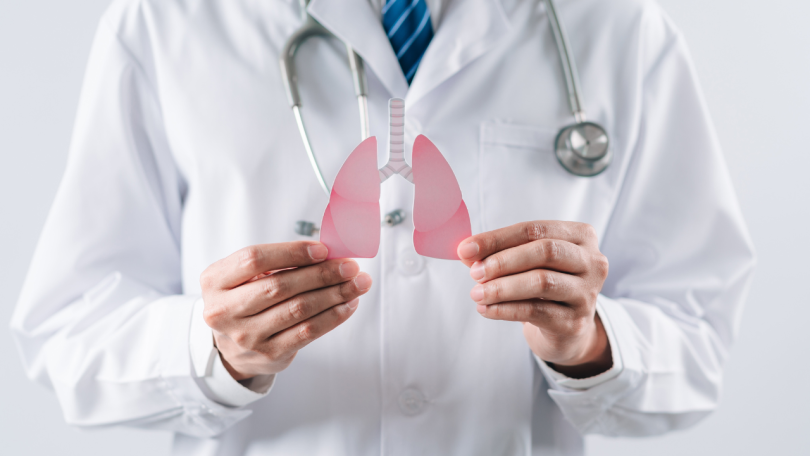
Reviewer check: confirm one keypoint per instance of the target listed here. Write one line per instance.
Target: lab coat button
(411, 263)
(411, 402)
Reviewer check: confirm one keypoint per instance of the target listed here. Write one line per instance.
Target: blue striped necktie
(409, 29)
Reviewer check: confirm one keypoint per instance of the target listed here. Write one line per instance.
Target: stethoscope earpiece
(583, 149)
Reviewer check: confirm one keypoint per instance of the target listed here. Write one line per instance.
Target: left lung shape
(351, 222)
(440, 217)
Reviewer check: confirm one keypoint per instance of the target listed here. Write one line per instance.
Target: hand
(546, 274)
(266, 302)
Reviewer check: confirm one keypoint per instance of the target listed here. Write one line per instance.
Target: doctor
(151, 303)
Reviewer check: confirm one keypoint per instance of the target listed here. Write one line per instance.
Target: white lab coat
(185, 150)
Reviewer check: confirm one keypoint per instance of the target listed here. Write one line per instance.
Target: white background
(753, 58)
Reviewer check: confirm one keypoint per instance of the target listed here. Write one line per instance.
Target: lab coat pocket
(521, 179)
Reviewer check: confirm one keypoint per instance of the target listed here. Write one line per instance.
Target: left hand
(546, 274)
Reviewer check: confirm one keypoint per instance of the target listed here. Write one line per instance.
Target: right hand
(266, 302)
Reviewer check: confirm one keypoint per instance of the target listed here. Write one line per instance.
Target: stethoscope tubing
(311, 28)
(567, 62)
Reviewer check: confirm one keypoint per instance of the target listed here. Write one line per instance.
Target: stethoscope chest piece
(583, 149)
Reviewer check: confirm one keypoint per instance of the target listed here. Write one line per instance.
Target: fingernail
(477, 271)
(468, 250)
(353, 303)
(318, 251)
(363, 282)
(349, 269)
(482, 309)
(477, 293)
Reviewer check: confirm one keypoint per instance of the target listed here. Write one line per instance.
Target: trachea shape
(396, 143)
(351, 222)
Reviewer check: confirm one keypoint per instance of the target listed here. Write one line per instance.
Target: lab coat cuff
(561, 381)
(203, 416)
(220, 386)
(585, 401)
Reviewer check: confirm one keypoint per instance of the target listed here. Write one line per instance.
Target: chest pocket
(521, 179)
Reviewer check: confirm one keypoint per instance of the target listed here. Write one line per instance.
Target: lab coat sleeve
(102, 318)
(680, 264)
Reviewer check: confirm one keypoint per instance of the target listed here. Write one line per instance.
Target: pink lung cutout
(440, 217)
(351, 222)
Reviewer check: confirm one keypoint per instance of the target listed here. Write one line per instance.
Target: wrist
(238, 376)
(593, 360)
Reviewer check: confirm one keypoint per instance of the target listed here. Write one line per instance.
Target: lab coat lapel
(356, 23)
(468, 29)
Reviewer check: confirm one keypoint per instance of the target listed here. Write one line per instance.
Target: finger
(299, 336)
(305, 306)
(550, 254)
(544, 314)
(254, 297)
(249, 262)
(482, 245)
(538, 283)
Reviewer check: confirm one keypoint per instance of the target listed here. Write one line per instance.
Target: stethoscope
(582, 148)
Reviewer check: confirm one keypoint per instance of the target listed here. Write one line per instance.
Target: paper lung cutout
(440, 217)
(351, 222)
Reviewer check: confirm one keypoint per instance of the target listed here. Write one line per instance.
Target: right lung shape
(440, 217)
(351, 222)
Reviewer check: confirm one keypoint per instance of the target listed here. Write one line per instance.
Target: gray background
(753, 58)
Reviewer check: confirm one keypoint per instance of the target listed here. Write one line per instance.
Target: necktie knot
(408, 25)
